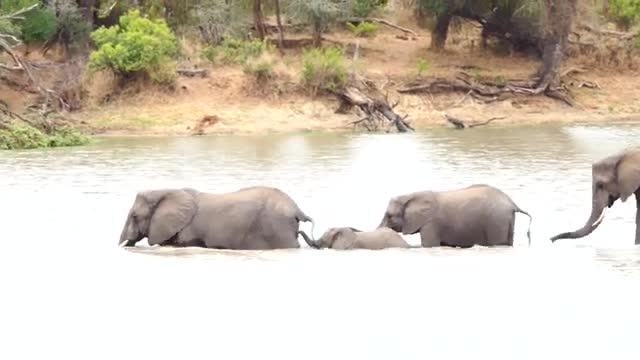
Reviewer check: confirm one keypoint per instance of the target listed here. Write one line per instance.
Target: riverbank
(229, 101)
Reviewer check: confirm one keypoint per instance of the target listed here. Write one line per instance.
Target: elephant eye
(599, 185)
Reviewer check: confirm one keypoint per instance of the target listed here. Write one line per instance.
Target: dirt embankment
(231, 102)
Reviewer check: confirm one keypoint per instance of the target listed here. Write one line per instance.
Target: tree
(320, 13)
(557, 21)
(258, 21)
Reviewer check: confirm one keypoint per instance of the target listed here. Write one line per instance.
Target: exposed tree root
(488, 91)
(461, 124)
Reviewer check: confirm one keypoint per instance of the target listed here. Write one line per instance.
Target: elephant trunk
(598, 210)
(124, 241)
(312, 243)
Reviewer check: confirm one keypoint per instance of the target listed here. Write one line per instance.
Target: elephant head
(342, 238)
(408, 213)
(158, 215)
(615, 177)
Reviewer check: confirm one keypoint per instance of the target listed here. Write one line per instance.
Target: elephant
(614, 177)
(347, 238)
(252, 218)
(479, 214)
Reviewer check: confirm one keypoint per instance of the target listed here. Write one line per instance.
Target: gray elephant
(347, 238)
(476, 215)
(614, 177)
(253, 218)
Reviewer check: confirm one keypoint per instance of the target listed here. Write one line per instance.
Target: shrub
(625, 13)
(261, 70)
(136, 46)
(39, 25)
(323, 69)
(210, 53)
(73, 28)
(27, 137)
(235, 51)
(422, 66)
(364, 29)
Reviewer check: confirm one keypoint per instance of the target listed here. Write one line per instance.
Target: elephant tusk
(123, 244)
(604, 210)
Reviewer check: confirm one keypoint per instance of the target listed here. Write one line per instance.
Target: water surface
(69, 292)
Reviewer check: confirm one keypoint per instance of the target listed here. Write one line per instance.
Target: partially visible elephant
(347, 238)
(476, 215)
(614, 177)
(253, 218)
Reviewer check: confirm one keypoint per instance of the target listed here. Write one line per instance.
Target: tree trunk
(558, 19)
(439, 33)
(280, 28)
(317, 33)
(257, 19)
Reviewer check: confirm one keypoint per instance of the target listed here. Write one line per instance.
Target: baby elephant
(347, 238)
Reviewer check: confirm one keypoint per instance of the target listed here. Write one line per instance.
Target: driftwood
(193, 72)
(461, 124)
(377, 111)
(357, 21)
(486, 90)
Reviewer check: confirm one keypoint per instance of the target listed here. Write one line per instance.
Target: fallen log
(489, 90)
(357, 21)
(461, 124)
(377, 111)
(193, 72)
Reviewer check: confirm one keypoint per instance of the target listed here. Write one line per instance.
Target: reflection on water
(68, 288)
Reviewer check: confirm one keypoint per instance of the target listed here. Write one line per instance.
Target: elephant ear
(628, 172)
(417, 210)
(174, 210)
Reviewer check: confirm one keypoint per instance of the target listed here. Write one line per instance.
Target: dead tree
(377, 110)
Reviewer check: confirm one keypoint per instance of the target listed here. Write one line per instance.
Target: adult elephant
(253, 218)
(614, 177)
(476, 215)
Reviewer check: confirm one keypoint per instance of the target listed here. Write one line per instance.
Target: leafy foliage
(323, 69)
(72, 28)
(28, 137)
(39, 25)
(136, 46)
(625, 13)
(422, 66)
(320, 13)
(363, 29)
(235, 51)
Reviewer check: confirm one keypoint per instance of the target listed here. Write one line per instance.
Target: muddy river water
(68, 292)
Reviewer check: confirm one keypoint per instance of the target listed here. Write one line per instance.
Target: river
(68, 291)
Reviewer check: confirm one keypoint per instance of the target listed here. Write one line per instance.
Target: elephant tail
(530, 220)
(304, 218)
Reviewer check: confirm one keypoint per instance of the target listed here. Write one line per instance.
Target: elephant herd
(262, 218)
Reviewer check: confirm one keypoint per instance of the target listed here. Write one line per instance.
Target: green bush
(362, 8)
(364, 29)
(422, 66)
(210, 53)
(39, 25)
(233, 51)
(625, 13)
(28, 137)
(323, 69)
(135, 46)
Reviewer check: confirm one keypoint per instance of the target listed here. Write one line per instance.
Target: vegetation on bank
(152, 42)
(24, 136)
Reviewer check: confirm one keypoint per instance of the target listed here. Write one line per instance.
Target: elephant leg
(429, 236)
(637, 242)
